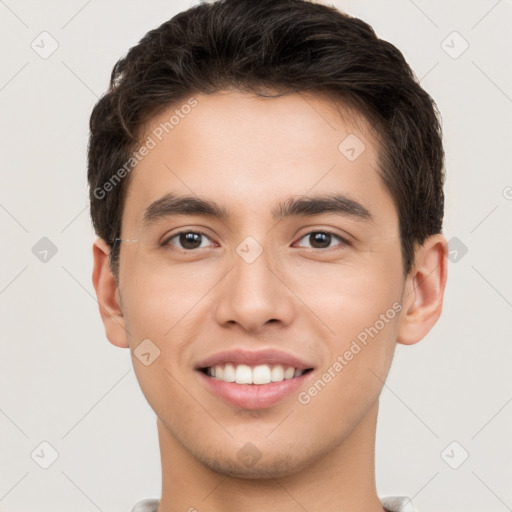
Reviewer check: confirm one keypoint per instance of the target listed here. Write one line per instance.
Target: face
(288, 277)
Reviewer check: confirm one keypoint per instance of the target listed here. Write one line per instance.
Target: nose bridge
(253, 293)
(252, 263)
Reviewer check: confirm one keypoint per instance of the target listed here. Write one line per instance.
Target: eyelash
(344, 242)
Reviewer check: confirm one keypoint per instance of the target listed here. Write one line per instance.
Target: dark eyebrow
(173, 204)
(318, 205)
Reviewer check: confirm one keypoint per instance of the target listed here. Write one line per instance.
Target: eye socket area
(186, 238)
(325, 236)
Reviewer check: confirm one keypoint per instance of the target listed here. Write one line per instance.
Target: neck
(342, 480)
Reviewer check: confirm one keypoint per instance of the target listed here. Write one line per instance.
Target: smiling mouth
(257, 375)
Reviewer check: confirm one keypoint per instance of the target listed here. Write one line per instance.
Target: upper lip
(253, 358)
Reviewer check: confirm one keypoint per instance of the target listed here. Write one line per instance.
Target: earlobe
(424, 291)
(107, 294)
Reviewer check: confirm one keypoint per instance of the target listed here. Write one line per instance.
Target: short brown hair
(287, 46)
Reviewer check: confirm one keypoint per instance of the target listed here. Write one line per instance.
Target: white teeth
(243, 374)
(260, 374)
(289, 372)
(277, 374)
(229, 373)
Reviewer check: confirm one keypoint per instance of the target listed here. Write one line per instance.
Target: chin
(266, 467)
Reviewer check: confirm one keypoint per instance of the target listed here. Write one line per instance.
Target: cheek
(165, 391)
(359, 305)
(350, 295)
(158, 299)
(360, 355)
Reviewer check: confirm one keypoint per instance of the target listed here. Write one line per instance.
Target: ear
(424, 290)
(107, 293)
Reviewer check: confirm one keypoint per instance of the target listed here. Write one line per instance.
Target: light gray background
(62, 382)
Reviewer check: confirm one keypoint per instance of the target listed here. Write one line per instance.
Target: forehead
(250, 151)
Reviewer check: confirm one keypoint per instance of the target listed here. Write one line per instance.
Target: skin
(248, 154)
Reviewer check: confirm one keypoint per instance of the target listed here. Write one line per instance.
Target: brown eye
(322, 239)
(187, 240)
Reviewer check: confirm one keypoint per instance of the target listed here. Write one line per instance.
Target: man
(266, 180)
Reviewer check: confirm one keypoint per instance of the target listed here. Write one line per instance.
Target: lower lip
(253, 396)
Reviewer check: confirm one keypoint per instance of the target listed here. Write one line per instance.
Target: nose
(254, 294)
